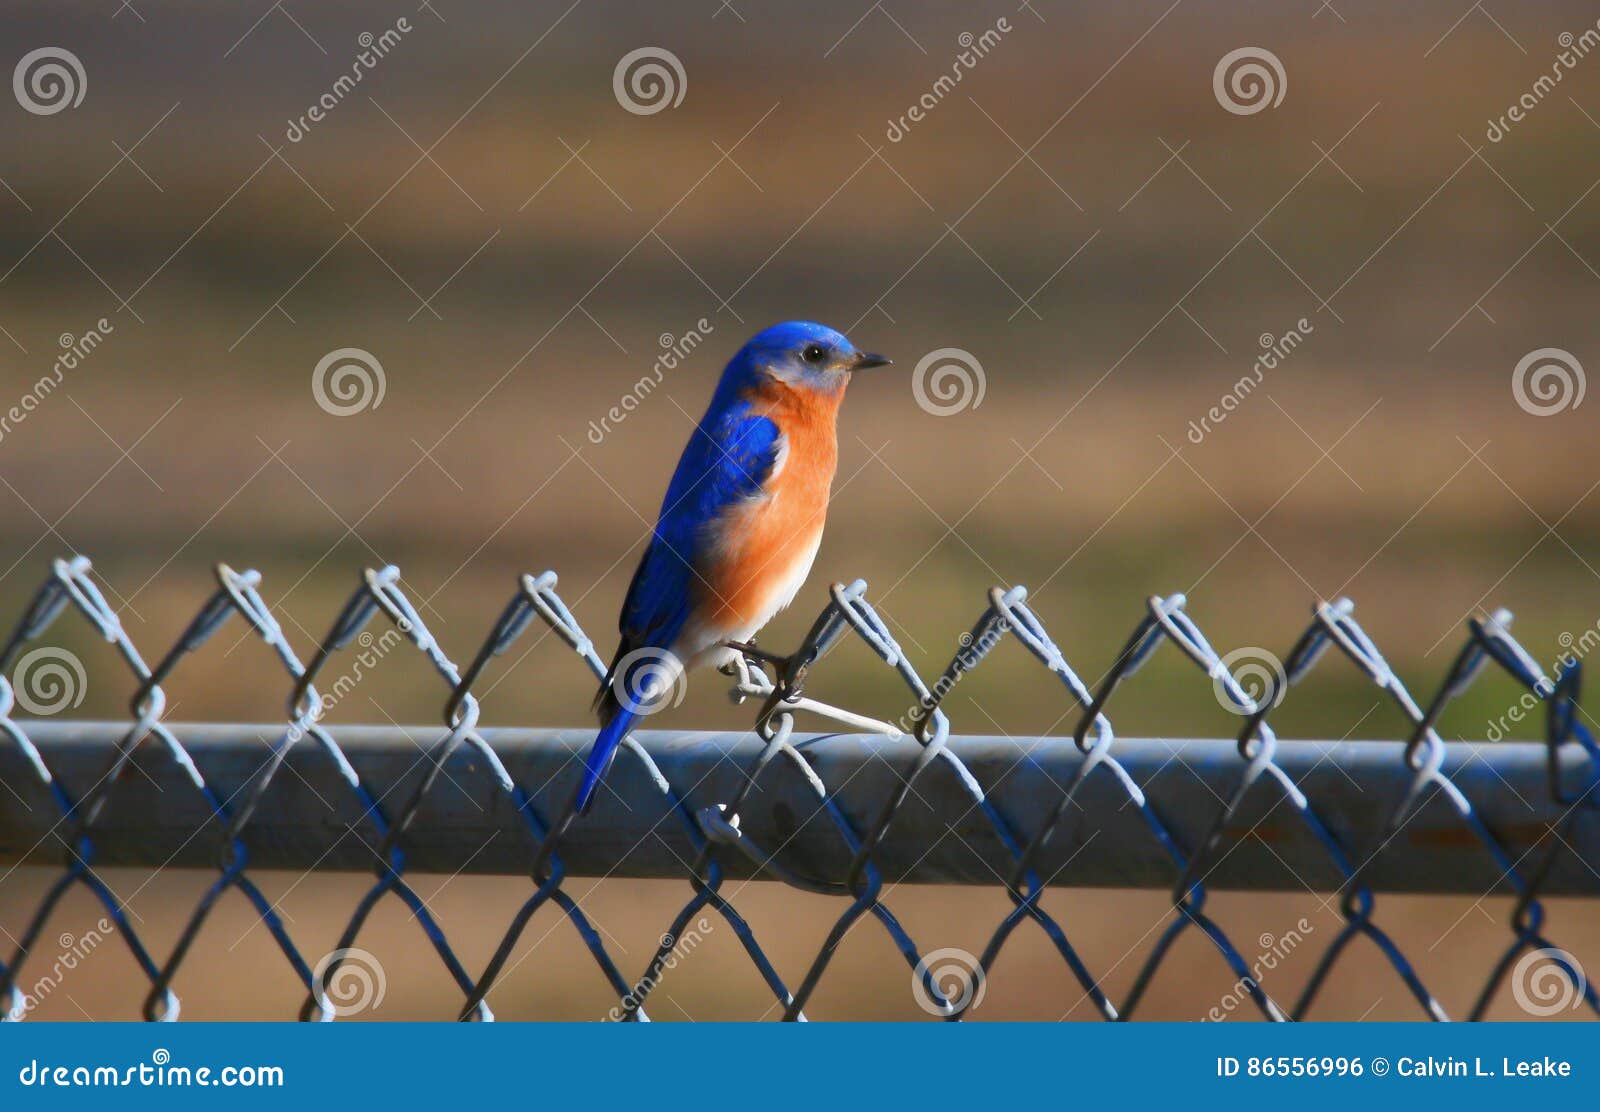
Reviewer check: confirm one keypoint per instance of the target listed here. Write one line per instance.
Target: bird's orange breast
(764, 546)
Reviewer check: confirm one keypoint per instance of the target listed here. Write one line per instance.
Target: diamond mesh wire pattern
(714, 832)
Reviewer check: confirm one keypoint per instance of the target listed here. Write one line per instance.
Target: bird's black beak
(865, 360)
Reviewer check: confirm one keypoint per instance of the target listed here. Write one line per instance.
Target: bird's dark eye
(814, 353)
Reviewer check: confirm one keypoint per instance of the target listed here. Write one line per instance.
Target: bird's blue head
(800, 355)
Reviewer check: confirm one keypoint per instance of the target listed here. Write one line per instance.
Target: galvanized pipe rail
(937, 837)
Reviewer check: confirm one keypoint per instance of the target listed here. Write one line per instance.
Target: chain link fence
(725, 828)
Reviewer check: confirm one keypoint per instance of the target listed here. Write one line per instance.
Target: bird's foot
(789, 672)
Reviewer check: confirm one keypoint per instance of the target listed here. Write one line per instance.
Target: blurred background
(507, 237)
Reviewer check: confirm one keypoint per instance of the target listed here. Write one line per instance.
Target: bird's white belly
(787, 585)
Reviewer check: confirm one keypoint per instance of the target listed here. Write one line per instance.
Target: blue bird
(739, 526)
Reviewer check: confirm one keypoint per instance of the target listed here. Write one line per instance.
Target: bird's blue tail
(601, 755)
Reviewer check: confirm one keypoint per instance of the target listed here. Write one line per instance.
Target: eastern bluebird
(739, 526)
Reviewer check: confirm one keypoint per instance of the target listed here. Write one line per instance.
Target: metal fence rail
(937, 838)
(816, 814)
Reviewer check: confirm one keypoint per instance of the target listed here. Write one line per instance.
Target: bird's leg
(751, 652)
